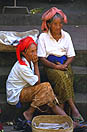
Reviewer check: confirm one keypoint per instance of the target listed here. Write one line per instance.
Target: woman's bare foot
(77, 117)
(29, 113)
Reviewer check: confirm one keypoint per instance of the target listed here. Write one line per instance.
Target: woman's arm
(36, 71)
(47, 63)
(69, 61)
(36, 68)
(56, 66)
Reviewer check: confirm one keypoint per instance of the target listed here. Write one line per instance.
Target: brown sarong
(38, 95)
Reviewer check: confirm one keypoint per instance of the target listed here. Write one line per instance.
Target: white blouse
(20, 76)
(48, 45)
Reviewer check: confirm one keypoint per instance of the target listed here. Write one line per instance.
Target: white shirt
(20, 76)
(48, 45)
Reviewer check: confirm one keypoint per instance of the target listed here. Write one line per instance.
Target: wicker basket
(52, 119)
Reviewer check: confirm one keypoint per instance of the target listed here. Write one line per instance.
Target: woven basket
(52, 119)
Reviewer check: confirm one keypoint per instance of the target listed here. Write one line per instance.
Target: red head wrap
(49, 14)
(23, 44)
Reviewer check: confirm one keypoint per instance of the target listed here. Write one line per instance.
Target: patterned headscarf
(23, 44)
(49, 14)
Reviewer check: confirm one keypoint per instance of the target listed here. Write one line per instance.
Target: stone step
(4, 71)
(79, 70)
(80, 58)
(19, 18)
(80, 78)
(9, 58)
(77, 32)
(80, 83)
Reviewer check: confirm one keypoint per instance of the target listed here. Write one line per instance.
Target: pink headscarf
(23, 44)
(49, 14)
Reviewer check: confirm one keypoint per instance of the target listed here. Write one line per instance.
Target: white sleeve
(41, 49)
(27, 74)
(70, 48)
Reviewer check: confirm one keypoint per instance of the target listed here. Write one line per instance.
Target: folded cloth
(55, 59)
(54, 126)
(13, 37)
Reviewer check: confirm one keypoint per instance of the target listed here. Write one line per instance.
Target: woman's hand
(61, 67)
(65, 65)
(35, 59)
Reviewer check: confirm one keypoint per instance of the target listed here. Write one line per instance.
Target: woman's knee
(46, 83)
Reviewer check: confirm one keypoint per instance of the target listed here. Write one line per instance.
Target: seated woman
(56, 52)
(23, 83)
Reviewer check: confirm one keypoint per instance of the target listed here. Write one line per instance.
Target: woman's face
(31, 52)
(56, 26)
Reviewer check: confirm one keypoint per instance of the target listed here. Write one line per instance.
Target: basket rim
(71, 127)
(52, 116)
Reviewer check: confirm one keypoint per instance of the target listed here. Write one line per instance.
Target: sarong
(62, 83)
(38, 95)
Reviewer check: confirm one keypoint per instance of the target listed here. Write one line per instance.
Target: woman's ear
(23, 53)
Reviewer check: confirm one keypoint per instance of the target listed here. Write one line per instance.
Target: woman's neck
(57, 36)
